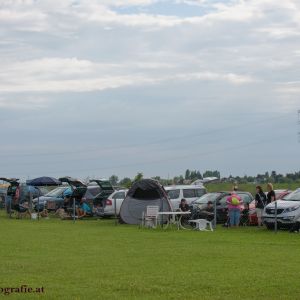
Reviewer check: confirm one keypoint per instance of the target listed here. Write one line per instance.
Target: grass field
(248, 187)
(96, 259)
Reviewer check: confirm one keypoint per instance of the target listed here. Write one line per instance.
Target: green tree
(138, 177)
(126, 182)
(113, 179)
(187, 174)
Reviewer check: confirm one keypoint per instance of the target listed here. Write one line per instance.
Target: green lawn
(248, 187)
(94, 259)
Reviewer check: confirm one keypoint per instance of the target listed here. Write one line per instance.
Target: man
(183, 206)
(208, 213)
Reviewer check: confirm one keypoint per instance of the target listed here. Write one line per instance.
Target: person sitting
(64, 212)
(183, 206)
(208, 213)
(84, 210)
(22, 210)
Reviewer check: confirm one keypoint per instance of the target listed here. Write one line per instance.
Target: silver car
(288, 211)
(117, 198)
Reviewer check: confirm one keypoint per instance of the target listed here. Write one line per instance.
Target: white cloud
(73, 75)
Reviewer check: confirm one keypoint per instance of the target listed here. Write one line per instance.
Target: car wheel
(270, 226)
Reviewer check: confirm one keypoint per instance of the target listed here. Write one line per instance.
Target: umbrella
(42, 181)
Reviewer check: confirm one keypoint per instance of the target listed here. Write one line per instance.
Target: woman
(260, 202)
(271, 194)
(234, 209)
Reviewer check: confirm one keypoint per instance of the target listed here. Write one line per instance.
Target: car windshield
(56, 192)
(294, 196)
(207, 197)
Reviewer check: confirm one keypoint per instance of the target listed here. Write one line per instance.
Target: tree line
(191, 175)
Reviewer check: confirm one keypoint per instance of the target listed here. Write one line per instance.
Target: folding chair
(149, 219)
(202, 224)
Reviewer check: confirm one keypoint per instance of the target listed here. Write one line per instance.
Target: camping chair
(201, 224)
(21, 210)
(149, 219)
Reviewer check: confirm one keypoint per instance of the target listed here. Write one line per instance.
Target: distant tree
(212, 174)
(138, 177)
(198, 175)
(187, 174)
(113, 179)
(126, 182)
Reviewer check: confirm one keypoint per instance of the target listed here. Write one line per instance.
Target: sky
(101, 87)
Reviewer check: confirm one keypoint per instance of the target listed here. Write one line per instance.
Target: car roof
(173, 187)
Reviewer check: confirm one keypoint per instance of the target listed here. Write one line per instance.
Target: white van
(188, 192)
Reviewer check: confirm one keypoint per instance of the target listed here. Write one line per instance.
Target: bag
(235, 201)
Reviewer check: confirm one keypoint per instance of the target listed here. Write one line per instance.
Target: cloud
(23, 103)
(74, 75)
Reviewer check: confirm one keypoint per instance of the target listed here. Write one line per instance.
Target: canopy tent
(142, 194)
(43, 181)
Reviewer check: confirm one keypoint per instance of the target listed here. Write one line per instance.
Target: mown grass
(100, 260)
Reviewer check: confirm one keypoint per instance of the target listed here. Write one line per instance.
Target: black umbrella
(42, 181)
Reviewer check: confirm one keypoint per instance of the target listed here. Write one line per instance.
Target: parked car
(105, 189)
(188, 192)
(279, 194)
(54, 195)
(288, 211)
(2, 196)
(220, 199)
(19, 192)
(116, 197)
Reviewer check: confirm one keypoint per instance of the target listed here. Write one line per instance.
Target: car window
(173, 194)
(294, 196)
(245, 198)
(222, 201)
(119, 195)
(189, 193)
(58, 192)
(200, 192)
(207, 197)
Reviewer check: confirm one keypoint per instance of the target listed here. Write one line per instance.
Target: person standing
(234, 203)
(260, 203)
(271, 194)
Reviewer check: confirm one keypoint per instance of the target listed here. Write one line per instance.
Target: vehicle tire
(270, 226)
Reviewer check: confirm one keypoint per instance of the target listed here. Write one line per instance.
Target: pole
(115, 204)
(276, 227)
(215, 215)
(30, 203)
(10, 206)
(38, 210)
(74, 209)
